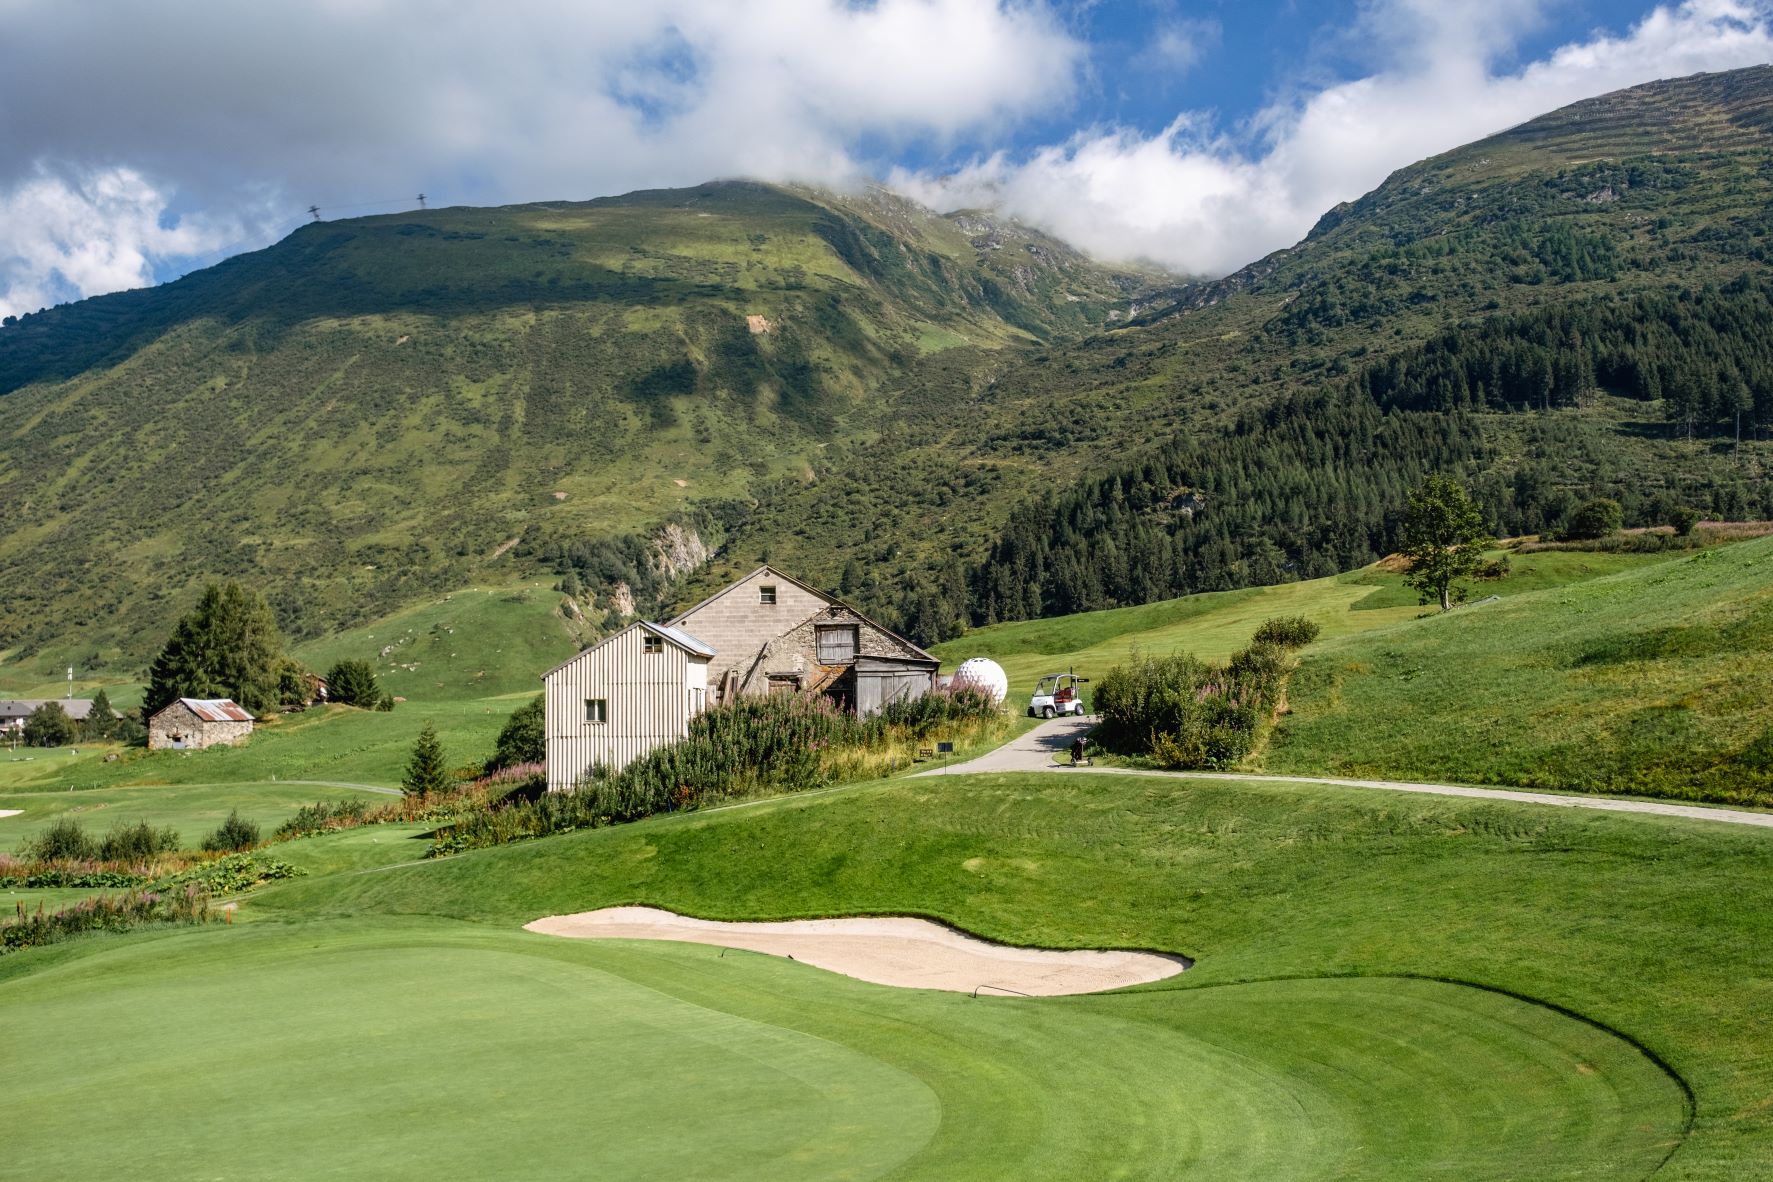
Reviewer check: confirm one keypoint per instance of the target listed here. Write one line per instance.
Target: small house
(191, 724)
(632, 691)
(14, 711)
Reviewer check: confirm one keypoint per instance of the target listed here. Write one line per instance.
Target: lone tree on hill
(425, 771)
(49, 726)
(1443, 538)
(225, 647)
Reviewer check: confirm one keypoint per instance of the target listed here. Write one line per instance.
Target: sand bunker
(10, 812)
(913, 953)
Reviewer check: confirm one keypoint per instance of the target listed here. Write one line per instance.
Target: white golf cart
(1057, 693)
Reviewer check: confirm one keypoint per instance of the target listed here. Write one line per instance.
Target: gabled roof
(836, 603)
(216, 709)
(75, 708)
(764, 569)
(676, 636)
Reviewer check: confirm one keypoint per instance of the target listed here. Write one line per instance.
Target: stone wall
(176, 724)
(737, 623)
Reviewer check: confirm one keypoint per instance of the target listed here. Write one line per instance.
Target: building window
(766, 594)
(651, 644)
(597, 710)
(837, 645)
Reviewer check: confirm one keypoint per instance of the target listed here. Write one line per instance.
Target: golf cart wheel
(1046, 711)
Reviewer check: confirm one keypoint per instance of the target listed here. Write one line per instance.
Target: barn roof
(75, 708)
(216, 709)
(766, 568)
(676, 636)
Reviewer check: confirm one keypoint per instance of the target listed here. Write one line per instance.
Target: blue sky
(141, 141)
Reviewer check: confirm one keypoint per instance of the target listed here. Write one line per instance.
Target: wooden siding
(651, 698)
(735, 624)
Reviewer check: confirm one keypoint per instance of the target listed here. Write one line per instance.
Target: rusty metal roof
(216, 709)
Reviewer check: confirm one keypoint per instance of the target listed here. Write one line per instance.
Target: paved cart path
(1047, 747)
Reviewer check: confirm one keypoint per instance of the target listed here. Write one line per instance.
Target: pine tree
(426, 771)
(225, 647)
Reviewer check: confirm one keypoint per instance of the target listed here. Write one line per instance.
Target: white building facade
(629, 693)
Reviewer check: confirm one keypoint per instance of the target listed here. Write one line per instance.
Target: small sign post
(945, 749)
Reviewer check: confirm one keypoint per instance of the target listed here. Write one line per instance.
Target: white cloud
(70, 235)
(340, 102)
(1199, 200)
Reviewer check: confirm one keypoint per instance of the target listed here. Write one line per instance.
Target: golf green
(414, 1047)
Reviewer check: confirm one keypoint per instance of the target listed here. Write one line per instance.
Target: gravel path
(1041, 748)
(894, 950)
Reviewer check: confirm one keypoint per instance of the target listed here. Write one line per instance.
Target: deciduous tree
(1444, 539)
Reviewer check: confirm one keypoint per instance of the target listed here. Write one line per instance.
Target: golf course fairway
(406, 1048)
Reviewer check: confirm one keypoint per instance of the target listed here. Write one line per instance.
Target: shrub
(321, 816)
(236, 833)
(1186, 713)
(224, 876)
(1683, 519)
(1287, 632)
(780, 742)
(353, 683)
(137, 843)
(1595, 519)
(63, 841)
(523, 739)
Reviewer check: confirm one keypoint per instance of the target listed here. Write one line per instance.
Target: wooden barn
(622, 697)
(191, 724)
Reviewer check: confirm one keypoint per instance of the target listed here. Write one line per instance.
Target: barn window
(837, 645)
(596, 710)
(651, 644)
(767, 594)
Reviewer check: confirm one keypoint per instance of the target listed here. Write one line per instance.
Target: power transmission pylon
(315, 210)
(422, 204)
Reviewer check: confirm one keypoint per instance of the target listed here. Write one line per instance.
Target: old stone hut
(192, 724)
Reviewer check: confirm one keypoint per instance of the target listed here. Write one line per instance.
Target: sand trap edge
(901, 951)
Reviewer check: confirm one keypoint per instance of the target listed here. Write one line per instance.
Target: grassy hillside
(1434, 990)
(1651, 681)
(1213, 625)
(377, 408)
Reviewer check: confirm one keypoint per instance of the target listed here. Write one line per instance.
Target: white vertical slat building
(620, 698)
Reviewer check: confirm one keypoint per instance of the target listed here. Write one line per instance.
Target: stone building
(191, 724)
(772, 633)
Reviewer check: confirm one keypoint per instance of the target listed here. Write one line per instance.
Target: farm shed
(620, 698)
(192, 724)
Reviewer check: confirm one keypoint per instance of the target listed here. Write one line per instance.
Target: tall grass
(114, 913)
(781, 743)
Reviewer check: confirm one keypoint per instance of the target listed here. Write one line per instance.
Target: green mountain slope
(382, 406)
(1577, 307)
(930, 414)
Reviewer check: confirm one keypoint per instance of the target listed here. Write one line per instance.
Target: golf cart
(1058, 693)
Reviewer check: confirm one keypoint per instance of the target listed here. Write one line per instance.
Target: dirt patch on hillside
(897, 950)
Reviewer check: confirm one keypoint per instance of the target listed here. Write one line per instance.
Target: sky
(140, 141)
